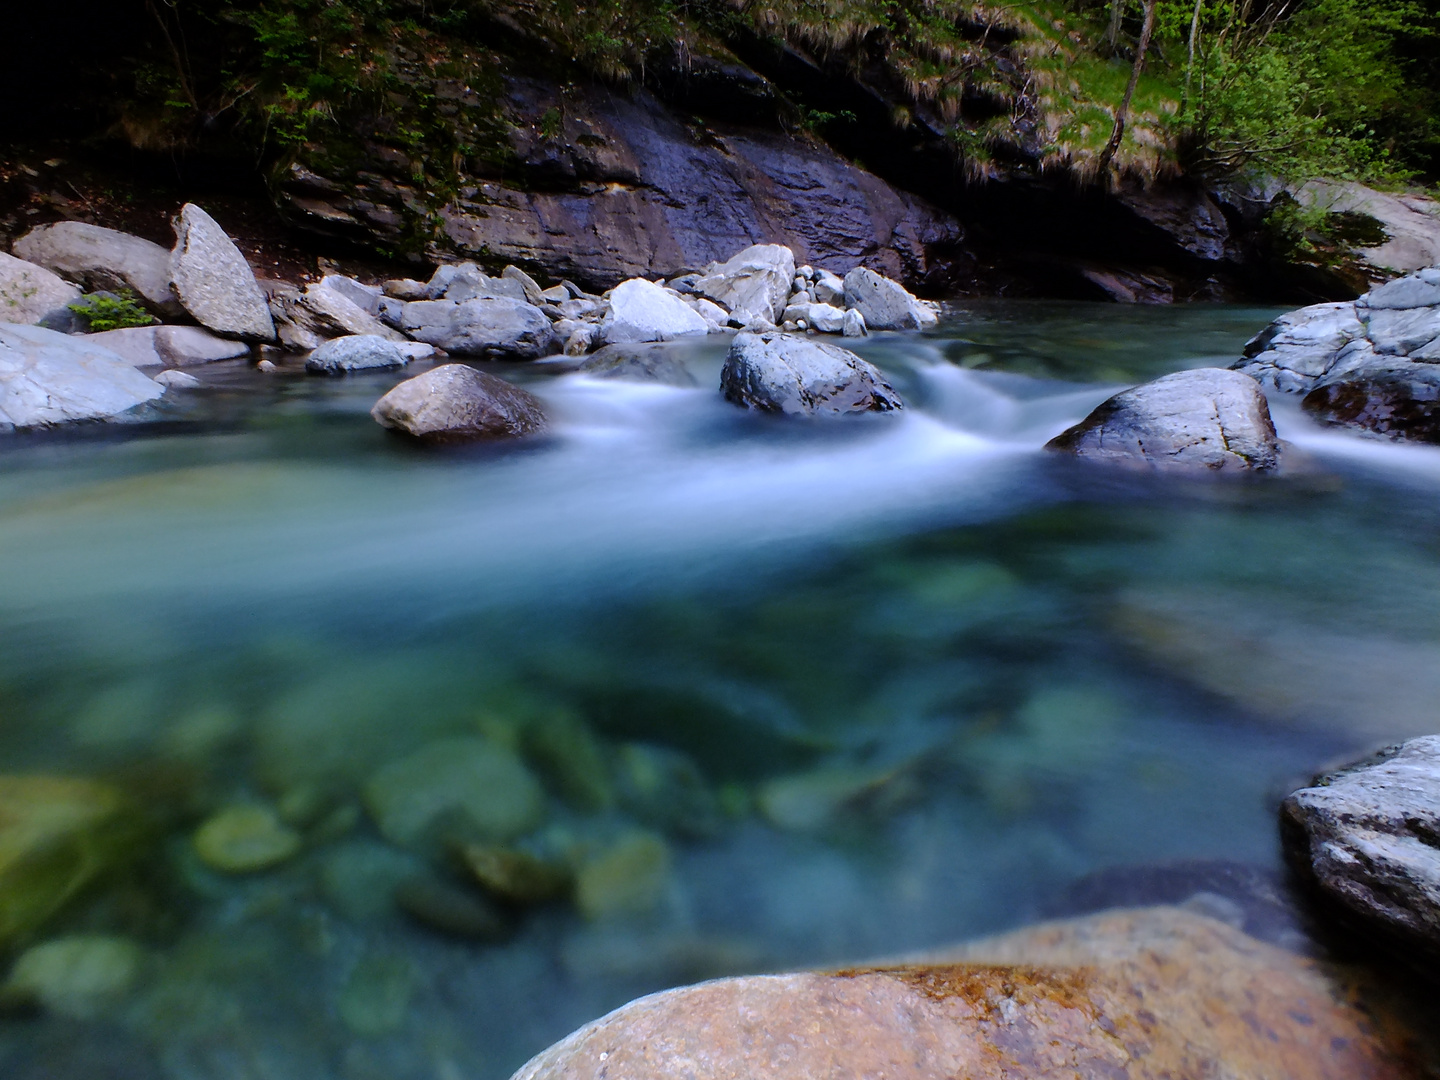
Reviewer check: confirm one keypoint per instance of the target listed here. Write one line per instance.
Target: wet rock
(1149, 994)
(454, 402)
(1207, 418)
(1300, 347)
(177, 380)
(214, 282)
(375, 999)
(515, 876)
(100, 259)
(171, 346)
(462, 783)
(28, 293)
(643, 311)
(365, 297)
(810, 801)
(78, 977)
(1400, 400)
(363, 352)
(753, 284)
(498, 328)
(48, 378)
(666, 790)
(57, 837)
(359, 878)
(885, 304)
(785, 373)
(627, 879)
(245, 839)
(1369, 837)
(642, 362)
(450, 909)
(570, 757)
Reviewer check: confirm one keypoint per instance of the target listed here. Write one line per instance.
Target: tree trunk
(1108, 154)
(1190, 62)
(1112, 37)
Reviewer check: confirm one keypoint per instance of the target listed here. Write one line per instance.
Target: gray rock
(100, 259)
(454, 402)
(797, 376)
(170, 346)
(391, 312)
(829, 289)
(1407, 292)
(50, 378)
(362, 352)
(1369, 837)
(643, 311)
(753, 284)
(1401, 332)
(639, 362)
(854, 324)
(28, 293)
(214, 282)
(407, 289)
(1388, 395)
(1300, 347)
(365, 297)
(823, 317)
(556, 294)
(1208, 418)
(886, 304)
(714, 315)
(177, 380)
(499, 328)
(417, 350)
(533, 293)
(469, 282)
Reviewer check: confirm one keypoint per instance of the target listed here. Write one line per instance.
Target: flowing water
(798, 693)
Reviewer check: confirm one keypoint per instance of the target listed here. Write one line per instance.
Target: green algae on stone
(57, 836)
(76, 977)
(469, 781)
(244, 839)
(629, 878)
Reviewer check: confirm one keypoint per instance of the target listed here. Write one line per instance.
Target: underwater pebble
(244, 839)
(450, 909)
(376, 997)
(628, 878)
(515, 876)
(77, 977)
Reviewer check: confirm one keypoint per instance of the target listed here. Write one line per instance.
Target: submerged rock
(57, 836)
(1207, 418)
(375, 998)
(245, 839)
(471, 783)
(213, 280)
(454, 402)
(885, 304)
(753, 284)
(1369, 837)
(171, 346)
(790, 374)
(28, 293)
(639, 362)
(642, 311)
(51, 378)
(495, 327)
(515, 876)
(627, 879)
(76, 977)
(450, 909)
(363, 352)
(105, 259)
(1148, 994)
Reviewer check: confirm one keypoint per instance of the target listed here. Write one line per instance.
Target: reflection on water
(363, 762)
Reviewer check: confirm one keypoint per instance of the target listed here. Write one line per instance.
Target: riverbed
(850, 689)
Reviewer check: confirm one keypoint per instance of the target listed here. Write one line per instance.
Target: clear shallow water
(892, 682)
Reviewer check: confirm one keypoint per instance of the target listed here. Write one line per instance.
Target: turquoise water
(819, 692)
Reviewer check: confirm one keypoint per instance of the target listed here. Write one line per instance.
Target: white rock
(177, 380)
(365, 297)
(29, 292)
(417, 350)
(829, 289)
(494, 327)
(361, 352)
(213, 280)
(714, 315)
(754, 284)
(50, 378)
(103, 259)
(886, 304)
(854, 325)
(643, 311)
(170, 346)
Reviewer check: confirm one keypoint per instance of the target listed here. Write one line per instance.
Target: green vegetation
(102, 312)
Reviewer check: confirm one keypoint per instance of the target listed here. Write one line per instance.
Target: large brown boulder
(1140, 994)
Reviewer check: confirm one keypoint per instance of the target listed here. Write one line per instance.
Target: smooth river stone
(1143, 994)
(214, 282)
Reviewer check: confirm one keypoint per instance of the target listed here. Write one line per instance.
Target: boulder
(177, 380)
(643, 311)
(170, 346)
(407, 289)
(29, 292)
(321, 312)
(1207, 418)
(498, 328)
(1142, 994)
(1389, 396)
(362, 352)
(214, 282)
(829, 289)
(639, 362)
(50, 378)
(1300, 347)
(752, 284)
(885, 304)
(533, 293)
(791, 374)
(100, 259)
(822, 317)
(854, 325)
(454, 402)
(1417, 290)
(365, 297)
(1368, 836)
(468, 282)
(1400, 331)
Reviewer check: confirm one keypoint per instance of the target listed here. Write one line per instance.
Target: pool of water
(792, 693)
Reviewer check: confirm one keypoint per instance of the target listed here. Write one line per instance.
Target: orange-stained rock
(1151, 993)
